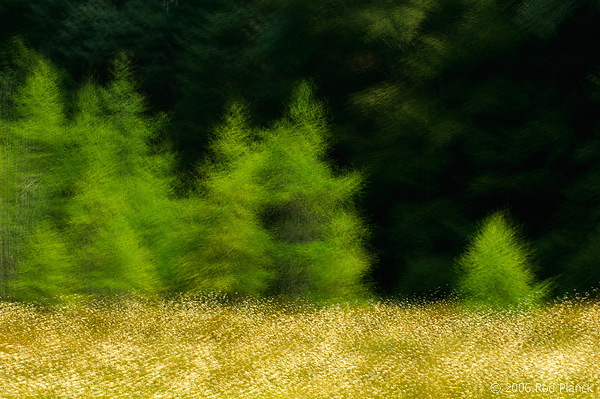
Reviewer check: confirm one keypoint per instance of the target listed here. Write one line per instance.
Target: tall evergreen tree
(319, 238)
(227, 248)
(273, 217)
(35, 258)
(120, 206)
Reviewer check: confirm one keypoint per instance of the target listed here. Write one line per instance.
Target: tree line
(450, 109)
(88, 206)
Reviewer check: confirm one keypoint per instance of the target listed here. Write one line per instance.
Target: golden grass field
(207, 349)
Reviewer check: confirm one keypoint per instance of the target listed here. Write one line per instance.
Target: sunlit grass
(208, 349)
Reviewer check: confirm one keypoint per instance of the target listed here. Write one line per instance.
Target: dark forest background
(451, 109)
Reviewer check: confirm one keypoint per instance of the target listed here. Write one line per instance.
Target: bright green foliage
(496, 269)
(318, 235)
(47, 268)
(276, 220)
(109, 252)
(229, 250)
(120, 206)
(35, 144)
(94, 185)
(40, 104)
(39, 135)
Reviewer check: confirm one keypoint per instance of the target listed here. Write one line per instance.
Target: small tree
(496, 269)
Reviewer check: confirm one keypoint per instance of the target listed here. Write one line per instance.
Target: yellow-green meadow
(268, 349)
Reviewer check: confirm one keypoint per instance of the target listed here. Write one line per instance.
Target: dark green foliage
(85, 36)
(91, 33)
(579, 213)
(486, 124)
(238, 49)
(496, 269)
(543, 17)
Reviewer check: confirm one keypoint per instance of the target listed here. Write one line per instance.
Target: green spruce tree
(228, 249)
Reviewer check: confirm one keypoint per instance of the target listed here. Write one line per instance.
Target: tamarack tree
(35, 142)
(272, 216)
(98, 190)
(120, 214)
(496, 270)
(91, 206)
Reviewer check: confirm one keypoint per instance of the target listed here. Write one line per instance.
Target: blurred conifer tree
(96, 212)
(274, 219)
(496, 269)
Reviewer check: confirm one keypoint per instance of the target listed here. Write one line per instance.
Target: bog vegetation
(207, 348)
